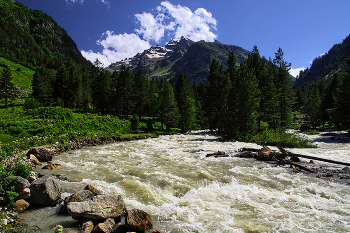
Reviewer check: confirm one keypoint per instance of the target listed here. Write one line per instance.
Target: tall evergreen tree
(8, 90)
(125, 98)
(215, 77)
(312, 107)
(102, 91)
(42, 85)
(141, 93)
(169, 113)
(285, 94)
(185, 102)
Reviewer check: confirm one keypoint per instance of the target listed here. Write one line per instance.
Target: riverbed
(171, 178)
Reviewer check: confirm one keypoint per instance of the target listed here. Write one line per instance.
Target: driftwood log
(283, 157)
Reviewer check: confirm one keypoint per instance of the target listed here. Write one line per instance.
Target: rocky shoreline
(95, 211)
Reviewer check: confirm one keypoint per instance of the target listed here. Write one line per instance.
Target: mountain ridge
(180, 55)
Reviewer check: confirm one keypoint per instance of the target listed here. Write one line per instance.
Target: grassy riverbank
(22, 129)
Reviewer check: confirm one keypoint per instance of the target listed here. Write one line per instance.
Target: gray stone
(98, 207)
(22, 188)
(45, 191)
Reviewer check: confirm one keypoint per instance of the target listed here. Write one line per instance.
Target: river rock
(42, 154)
(32, 177)
(34, 160)
(22, 188)
(50, 166)
(155, 231)
(93, 189)
(21, 205)
(139, 220)
(87, 225)
(98, 207)
(45, 191)
(106, 226)
(79, 196)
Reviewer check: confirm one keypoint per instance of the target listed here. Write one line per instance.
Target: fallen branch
(301, 167)
(318, 158)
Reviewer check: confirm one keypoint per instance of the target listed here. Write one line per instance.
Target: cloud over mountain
(169, 21)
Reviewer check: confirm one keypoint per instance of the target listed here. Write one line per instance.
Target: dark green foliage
(8, 91)
(33, 38)
(215, 81)
(169, 113)
(186, 103)
(285, 94)
(124, 91)
(326, 65)
(42, 85)
(312, 107)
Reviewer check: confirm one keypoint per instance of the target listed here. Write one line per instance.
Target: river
(171, 178)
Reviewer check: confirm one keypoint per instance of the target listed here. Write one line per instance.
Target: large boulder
(22, 188)
(139, 220)
(45, 191)
(98, 207)
(42, 154)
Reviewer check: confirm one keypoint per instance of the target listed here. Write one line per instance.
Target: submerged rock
(99, 207)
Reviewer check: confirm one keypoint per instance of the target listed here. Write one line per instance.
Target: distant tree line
(239, 100)
(235, 100)
(327, 102)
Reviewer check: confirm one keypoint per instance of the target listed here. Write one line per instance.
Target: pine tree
(185, 102)
(214, 79)
(312, 107)
(285, 94)
(169, 113)
(141, 95)
(125, 98)
(8, 90)
(42, 86)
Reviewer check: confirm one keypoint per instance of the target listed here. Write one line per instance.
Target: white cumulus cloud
(168, 21)
(295, 72)
(116, 47)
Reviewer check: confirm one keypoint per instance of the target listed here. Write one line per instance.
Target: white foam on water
(171, 178)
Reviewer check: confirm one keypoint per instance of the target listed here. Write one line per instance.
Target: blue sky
(112, 30)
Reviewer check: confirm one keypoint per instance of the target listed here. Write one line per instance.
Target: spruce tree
(169, 113)
(214, 89)
(185, 102)
(285, 94)
(42, 85)
(312, 107)
(141, 95)
(8, 90)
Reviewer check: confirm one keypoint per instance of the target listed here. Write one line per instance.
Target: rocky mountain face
(326, 65)
(180, 56)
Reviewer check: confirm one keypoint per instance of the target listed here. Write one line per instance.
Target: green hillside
(22, 76)
(326, 65)
(32, 38)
